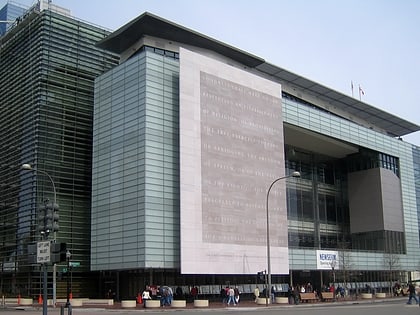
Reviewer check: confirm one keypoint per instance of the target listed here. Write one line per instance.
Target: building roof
(152, 25)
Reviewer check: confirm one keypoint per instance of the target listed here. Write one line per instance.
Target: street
(397, 306)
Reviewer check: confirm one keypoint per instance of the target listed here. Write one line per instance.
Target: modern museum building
(188, 135)
(184, 161)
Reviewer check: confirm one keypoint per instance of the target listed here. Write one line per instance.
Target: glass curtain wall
(48, 63)
(416, 170)
(318, 209)
(317, 206)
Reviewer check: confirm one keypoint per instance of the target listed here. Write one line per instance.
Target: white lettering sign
(327, 260)
(43, 252)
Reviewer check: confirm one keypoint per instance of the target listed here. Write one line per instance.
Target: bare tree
(392, 264)
(345, 262)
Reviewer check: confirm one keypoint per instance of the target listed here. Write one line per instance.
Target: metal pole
(268, 291)
(71, 280)
(68, 305)
(68, 282)
(45, 293)
(335, 289)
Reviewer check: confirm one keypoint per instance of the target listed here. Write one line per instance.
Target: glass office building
(48, 63)
(184, 128)
(8, 15)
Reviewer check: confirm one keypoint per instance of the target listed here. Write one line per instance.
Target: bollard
(62, 310)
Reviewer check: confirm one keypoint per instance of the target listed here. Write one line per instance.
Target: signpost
(43, 257)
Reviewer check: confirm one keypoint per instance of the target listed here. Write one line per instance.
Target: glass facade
(48, 64)
(135, 197)
(8, 14)
(310, 215)
(416, 170)
(318, 211)
(136, 143)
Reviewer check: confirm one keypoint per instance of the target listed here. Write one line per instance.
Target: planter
(26, 301)
(128, 303)
(380, 295)
(263, 301)
(179, 303)
(76, 302)
(282, 300)
(366, 295)
(152, 303)
(201, 303)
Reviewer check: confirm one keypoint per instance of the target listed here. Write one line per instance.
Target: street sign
(74, 263)
(43, 252)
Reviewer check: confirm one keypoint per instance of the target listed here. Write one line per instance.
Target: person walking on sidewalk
(231, 297)
(412, 294)
(256, 293)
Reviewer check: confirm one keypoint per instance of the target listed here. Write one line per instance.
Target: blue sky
(375, 43)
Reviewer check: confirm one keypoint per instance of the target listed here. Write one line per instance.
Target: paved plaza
(348, 307)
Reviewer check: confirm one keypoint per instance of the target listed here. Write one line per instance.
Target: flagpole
(352, 89)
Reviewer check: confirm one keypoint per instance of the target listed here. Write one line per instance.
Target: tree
(391, 263)
(345, 262)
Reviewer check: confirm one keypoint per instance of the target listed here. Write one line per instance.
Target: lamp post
(28, 167)
(333, 263)
(268, 291)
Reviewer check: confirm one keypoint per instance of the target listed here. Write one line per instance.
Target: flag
(361, 92)
(352, 89)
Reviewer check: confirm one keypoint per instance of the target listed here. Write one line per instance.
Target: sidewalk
(212, 305)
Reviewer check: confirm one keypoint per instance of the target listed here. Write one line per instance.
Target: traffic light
(261, 275)
(58, 252)
(32, 252)
(41, 220)
(52, 217)
(48, 218)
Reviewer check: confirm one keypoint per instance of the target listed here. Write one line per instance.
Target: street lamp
(333, 263)
(268, 291)
(28, 167)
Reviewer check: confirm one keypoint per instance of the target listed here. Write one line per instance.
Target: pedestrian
(170, 295)
(194, 292)
(290, 295)
(231, 297)
(146, 295)
(296, 295)
(256, 293)
(237, 293)
(223, 295)
(179, 293)
(163, 294)
(273, 295)
(412, 294)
